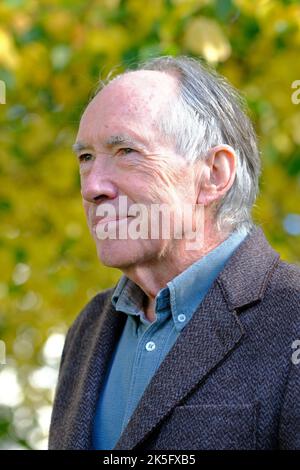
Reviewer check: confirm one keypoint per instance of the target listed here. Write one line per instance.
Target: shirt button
(181, 317)
(150, 346)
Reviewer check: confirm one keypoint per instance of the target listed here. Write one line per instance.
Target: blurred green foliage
(52, 53)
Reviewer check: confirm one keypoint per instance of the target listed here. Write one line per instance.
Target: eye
(125, 150)
(85, 157)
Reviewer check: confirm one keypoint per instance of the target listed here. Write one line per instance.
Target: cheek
(86, 208)
(156, 179)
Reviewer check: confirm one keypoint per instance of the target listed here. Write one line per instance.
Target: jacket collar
(245, 276)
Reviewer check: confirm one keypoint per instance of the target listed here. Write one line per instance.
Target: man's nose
(97, 184)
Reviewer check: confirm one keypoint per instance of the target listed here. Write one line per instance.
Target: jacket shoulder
(286, 277)
(85, 323)
(92, 310)
(283, 294)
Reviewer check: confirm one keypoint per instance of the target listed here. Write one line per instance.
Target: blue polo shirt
(143, 344)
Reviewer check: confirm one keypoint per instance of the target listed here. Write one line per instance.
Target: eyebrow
(120, 139)
(111, 142)
(79, 146)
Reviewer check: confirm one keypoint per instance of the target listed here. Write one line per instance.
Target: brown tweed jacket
(229, 381)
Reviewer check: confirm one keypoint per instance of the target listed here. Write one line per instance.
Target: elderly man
(193, 349)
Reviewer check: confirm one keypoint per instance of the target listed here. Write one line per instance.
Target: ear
(218, 172)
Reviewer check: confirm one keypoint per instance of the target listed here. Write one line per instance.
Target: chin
(123, 254)
(116, 253)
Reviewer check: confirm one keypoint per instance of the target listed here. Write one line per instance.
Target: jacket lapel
(212, 333)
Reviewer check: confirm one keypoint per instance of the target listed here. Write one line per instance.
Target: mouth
(111, 222)
(106, 220)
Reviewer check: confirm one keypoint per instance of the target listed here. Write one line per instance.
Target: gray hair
(210, 112)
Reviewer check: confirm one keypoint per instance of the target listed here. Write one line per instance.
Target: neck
(153, 275)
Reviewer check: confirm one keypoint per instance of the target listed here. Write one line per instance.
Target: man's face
(121, 153)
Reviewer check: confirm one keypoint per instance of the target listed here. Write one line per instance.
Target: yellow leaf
(8, 53)
(204, 37)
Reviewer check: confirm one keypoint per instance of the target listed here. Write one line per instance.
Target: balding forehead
(148, 76)
(135, 95)
(144, 83)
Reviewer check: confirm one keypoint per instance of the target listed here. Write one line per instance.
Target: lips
(112, 223)
(106, 220)
(101, 220)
